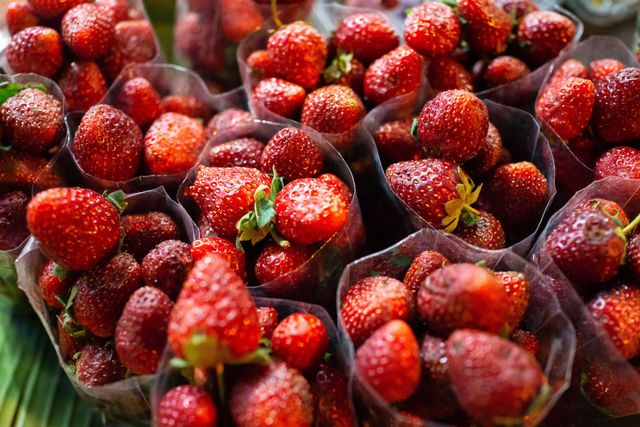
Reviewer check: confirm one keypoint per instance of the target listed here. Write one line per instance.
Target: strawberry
(617, 106)
(88, 31)
(569, 68)
(601, 68)
(488, 26)
(517, 288)
(610, 208)
(623, 162)
(453, 126)
(70, 343)
(395, 142)
(445, 73)
(20, 16)
(245, 152)
(35, 50)
(271, 395)
(138, 99)
(167, 265)
(489, 155)
(19, 170)
(396, 73)
(456, 296)
(187, 405)
(226, 194)
(330, 389)
(301, 340)
(142, 232)
(261, 64)
(482, 230)
(292, 154)
(633, 256)
(82, 84)
(134, 42)
(367, 36)
(617, 310)
(275, 261)
(339, 184)
(543, 34)
(117, 157)
(389, 361)
(435, 366)
(608, 386)
(117, 9)
(186, 105)
(13, 227)
(421, 267)
(345, 70)
(504, 69)
(214, 310)
(238, 19)
(54, 283)
(279, 96)
(221, 247)
(268, 319)
(370, 303)
(299, 54)
(494, 379)
(76, 227)
(50, 9)
(98, 365)
(141, 332)
(432, 29)
(332, 109)
(172, 144)
(526, 340)
(517, 9)
(226, 119)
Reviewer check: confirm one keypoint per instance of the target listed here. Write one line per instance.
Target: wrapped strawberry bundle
(102, 283)
(440, 331)
(587, 108)
(82, 46)
(590, 248)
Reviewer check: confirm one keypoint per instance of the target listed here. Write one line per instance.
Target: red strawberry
(214, 309)
(167, 265)
(609, 387)
(526, 340)
(275, 394)
(244, 152)
(332, 400)
(617, 106)
(138, 99)
(50, 9)
(367, 35)
(35, 50)
(187, 405)
(187, 105)
(98, 365)
(103, 293)
(221, 247)
(445, 73)
(517, 9)
(567, 106)
(117, 157)
(569, 68)
(54, 283)
(339, 184)
(394, 74)
(142, 232)
(20, 16)
(457, 296)
(493, 378)
(238, 19)
(88, 31)
(292, 154)
(76, 227)
(13, 226)
(617, 310)
(261, 64)
(134, 42)
(609, 207)
(268, 319)
(482, 230)
(389, 361)
(453, 125)
(332, 109)
(543, 34)
(226, 194)
(370, 303)
(623, 162)
(299, 54)
(70, 343)
(82, 84)
(601, 68)
(279, 96)
(172, 144)
(345, 70)
(275, 261)
(421, 267)
(489, 155)
(516, 286)
(432, 29)
(488, 26)
(20, 170)
(301, 340)
(395, 142)
(226, 119)
(117, 9)
(504, 69)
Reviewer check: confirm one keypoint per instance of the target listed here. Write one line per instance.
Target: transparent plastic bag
(544, 317)
(125, 400)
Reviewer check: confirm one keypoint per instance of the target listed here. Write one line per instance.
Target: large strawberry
(332, 109)
(244, 152)
(421, 267)
(569, 68)
(543, 34)
(50, 9)
(20, 16)
(275, 261)
(488, 26)
(601, 68)
(292, 154)
(279, 96)
(394, 74)
(88, 31)
(35, 50)
(82, 84)
(483, 230)
(221, 247)
(301, 340)
(186, 405)
(623, 162)
(504, 69)
(98, 365)
(142, 232)
(516, 286)
(187, 105)
(138, 99)
(445, 73)
(55, 283)
(367, 36)
(432, 29)
(617, 106)
(167, 265)
(134, 42)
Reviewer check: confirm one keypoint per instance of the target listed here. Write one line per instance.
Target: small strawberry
(330, 389)
(54, 283)
(345, 70)
(76, 227)
(292, 154)
(88, 31)
(488, 26)
(268, 319)
(245, 152)
(394, 74)
(186, 105)
(395, 142)
(445, 73)
(367, 36)
(332, 109)
(517, 9)
(432, 29)
(526, 340)
(279, 96)
(609, 207)
(13, 226)
(483, 230)
(301, 340)
(70, 343)
(489, 155)
(421, 267)
(569, 68)
(389, 361)
(117, 9)
(275, 261)
(601, 68)
(117, 157)
(35, 50)
(142, 232)
(543, 34)
(221, 247)
(516, 286)
(238, 19)
(134, 42)
(226, 119)
(50, 9)
(20, 16)
(633, 256)
(623, 162)
(82, 84)
(370, 303)
(187, 405)
(98, 365)
(504, 69)
(261, 64)
(617, 106)
(138, 99)
(167, 265)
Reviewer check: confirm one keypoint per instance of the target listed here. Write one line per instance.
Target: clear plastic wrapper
(127, 400)
(544, 317)
(604, 13)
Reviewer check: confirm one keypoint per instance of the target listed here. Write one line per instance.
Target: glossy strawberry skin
(516, 286)
(118, 9)
(395, 142)
(268, 319)
(332, 109)
(367, 35)
(20, 16)
(274, 262)
(488, 26)
(331, 395)
(526, 340)
(486, 233)
(54, 286)
(99, 365)
(226, 119)
(187, 405)
(13, 227)
(142, 232)
(245, 152)
(601, 68)
(446, 73)
(421, 267)
(608, 386)
(610, 208)
(544, 34)
(82, 84)
(292, 154)
(239, 18)
(134, 42)
(280, 97)
(504, 69)
(569, 68)
(432, 29)
(621, 161)
(138, 99)
(35, 50)
(394, 74)
(489, 155)
(221, 247)
(301, 340)
(186, 105)
(50, 9)
(617, 105)
(20, 170)
(261, 64)
(88, 31)
(166, 266)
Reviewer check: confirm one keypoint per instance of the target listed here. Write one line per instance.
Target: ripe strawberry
(493, 378)
(221, 247)
(609, 207)
(20, 170)
(76, 227)
(117, 157)
(617, 106)
(261, 64)
(245, 152)
(543, 34)
(226, 194)
(13, 227)
(292, 154)
(445, 73)
(339, 184)
(268, 319)
(504, 69)
(98, 365)
(345, 70)
(238, 19)
(617, 310)
(20, 16)
(50, 9)
(489, 155)
(488, 26)
(516, 286)
(134, 42)
(299, 53)
(187, 405)
(633, 256)
(623, 162)
(214, 309)
(35, 50)
(54, 283)
(186, 105)
(367, 35)
(142, 232)
(332, 109)
(330, 389)
(167, 266)
(279, 96)
(432, 29)
(275, 394)
(118, 10)
(88, 31)
(172, 144)
(608, 386)
(370, 303)
(301, 340)
(517, 9)
(138, 99)
(483, 230)
(395, 142)
(389, 361)
(70, 343)
(275, 261)
(82, 84)
(421, 267)
(526, 340)
(601, 68)
(394, 74)
(453, 126)
(569, 68)
(226, 119)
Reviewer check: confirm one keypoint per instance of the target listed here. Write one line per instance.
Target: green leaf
(9, 89)
(178, 363)
(414, 128)
(60, 272)
(264, 209)
(540, 400)
(116, 198)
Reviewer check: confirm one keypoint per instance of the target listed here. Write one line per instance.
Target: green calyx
(584, 380)
(453, 4)
(9, 89)
(116, 198)
(468, 195)
(60, 272)
(339, 67)
(68, 322)
(206, 351)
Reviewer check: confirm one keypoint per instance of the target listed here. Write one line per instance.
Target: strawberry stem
(633, 224)
(274, 14)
